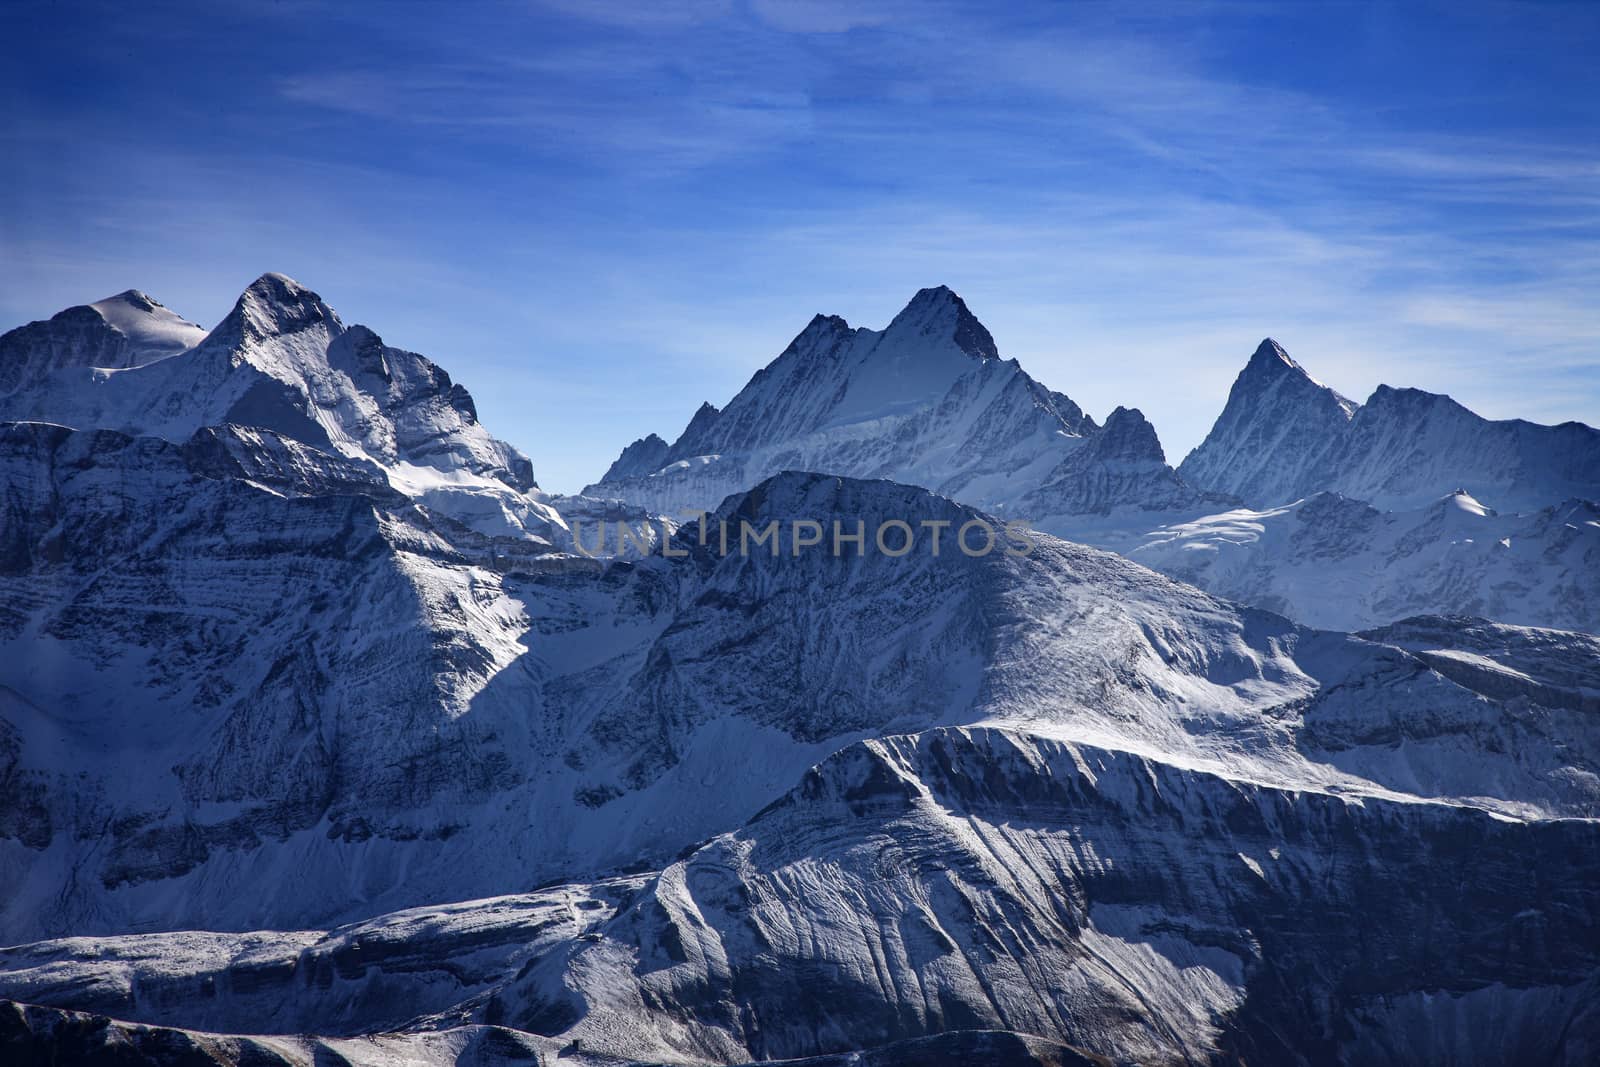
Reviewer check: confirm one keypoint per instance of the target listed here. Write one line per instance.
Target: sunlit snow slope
(319, 742)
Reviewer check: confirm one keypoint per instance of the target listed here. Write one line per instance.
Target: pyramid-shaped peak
(1271, 364)
(135, 298)
(1271, 356)
(1128, 435)
(939, 311)
(279, 288)
(694, 436)
(940, 300)
(275, 304)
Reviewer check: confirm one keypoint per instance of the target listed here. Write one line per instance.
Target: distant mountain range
(929, 401)
(323, 739)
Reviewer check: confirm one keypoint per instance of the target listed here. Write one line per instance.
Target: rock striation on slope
(951, 882)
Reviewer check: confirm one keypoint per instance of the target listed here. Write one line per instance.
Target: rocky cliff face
(644, 457)
(1120, 468)
(1278, 424)
(1406, 447)
(1409, 504)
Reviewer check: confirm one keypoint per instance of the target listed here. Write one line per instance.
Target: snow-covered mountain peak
(1127, 434)
(801, 495)
(276, 304)
(926, 400)
(127, 330)
(698, 438)
(275, 286)
(1278, 418)
(153, 330)
(1268, 352)
(641, 458)
(280, 361)
(1463, 501)
(1284, 436)
(820, 325)
(815, 352)
(133, 311)
(1406, 402)
(934, 341)
(1270, 358)
(833, 376)
(1271, 363)
(938, 313)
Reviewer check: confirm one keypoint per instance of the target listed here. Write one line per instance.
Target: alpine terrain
(325, 737)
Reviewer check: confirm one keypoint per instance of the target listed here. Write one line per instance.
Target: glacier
(1332, 561)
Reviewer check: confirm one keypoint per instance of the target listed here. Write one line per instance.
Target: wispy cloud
(552, 194)
(830, 16)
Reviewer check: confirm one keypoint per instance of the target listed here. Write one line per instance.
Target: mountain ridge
(1283, 436)
(127, 330)
(927, 400)
(283, 361)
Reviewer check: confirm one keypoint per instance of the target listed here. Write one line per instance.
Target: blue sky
(597, 214)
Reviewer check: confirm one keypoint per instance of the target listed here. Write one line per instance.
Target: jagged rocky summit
(927, 401)
(283, 362)
(1284, 436)
(1410, 503)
